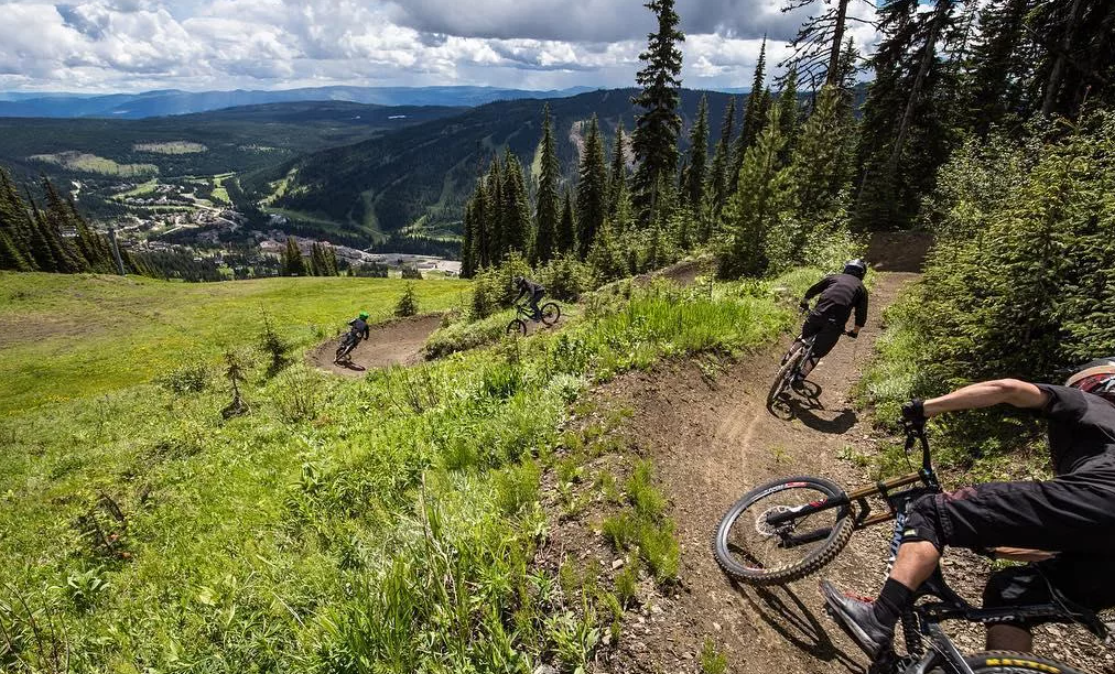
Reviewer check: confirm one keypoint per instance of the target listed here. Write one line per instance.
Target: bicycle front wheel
(517, 328)
(551, 312)
(786, 371)
(1008, 662)
(752, 550)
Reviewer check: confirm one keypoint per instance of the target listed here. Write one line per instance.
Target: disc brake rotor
(764, 527)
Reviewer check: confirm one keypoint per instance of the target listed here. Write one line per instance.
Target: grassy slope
(342, 524)
(74, 336)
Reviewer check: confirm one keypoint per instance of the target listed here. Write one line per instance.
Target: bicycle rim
(517, 328)
(785, 372)
(550, 313)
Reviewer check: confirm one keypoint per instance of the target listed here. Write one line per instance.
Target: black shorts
(827, 332)
(1082, 578)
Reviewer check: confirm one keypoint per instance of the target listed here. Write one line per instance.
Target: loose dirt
(712, 439)
(396, 342)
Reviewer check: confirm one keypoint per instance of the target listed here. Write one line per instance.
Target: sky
(100, 46)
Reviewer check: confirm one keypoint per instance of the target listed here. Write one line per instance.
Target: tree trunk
(1053, 85)
(915, 92)
(837, 43)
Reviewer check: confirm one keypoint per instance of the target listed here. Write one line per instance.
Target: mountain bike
(344, 351)
(790, 367)
(549, 313)
(790, 528)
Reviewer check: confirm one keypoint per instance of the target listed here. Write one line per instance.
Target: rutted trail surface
(712, 439)
(396, 342)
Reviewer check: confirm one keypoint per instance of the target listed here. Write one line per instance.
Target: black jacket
(528, 287)
(839, 294)
(359, 328)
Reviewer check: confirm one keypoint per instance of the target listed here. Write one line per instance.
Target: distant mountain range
(175, 102)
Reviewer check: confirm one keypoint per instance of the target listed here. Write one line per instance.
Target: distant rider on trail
(536, 291)
(1066, 525)
(840, 293)
(358, 329)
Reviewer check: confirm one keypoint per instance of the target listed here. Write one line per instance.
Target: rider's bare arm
(1023, 554)
(987, 394)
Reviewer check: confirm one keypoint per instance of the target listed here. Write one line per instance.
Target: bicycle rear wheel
(751, 550)
(517, 328)
(786, 371)
(551, 312)
(1007, 662)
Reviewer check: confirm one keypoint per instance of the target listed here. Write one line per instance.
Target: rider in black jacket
(1066, 525)
(536, 291)
(840, 294)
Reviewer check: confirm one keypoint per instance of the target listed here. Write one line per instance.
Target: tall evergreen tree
(816, 51)
(515, 228)
(592, 190)
(1004, 55)
(789, 112)
(617, 177)
(656, 132)
(754, 116)
(698, 158)
(567, 228)
(468, 243)
(548, 208)
(722, 158)
(293, 264)
(481, 223)
(493, 210)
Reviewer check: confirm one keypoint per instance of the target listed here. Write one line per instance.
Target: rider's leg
(535, 298)
(827, 337)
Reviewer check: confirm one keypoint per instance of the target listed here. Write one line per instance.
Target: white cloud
(131, 45)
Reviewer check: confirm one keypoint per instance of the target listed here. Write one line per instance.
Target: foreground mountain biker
(358, 328)
(1072, 514)
(840, 293)
(536, 291)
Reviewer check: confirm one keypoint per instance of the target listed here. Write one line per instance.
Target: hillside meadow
(389, 523)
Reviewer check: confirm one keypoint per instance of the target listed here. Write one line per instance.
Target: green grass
(71, 337)
(387, 523)
(175, 147)
(91, 163)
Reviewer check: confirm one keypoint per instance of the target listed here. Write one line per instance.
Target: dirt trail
(397, 342)
(711, 441)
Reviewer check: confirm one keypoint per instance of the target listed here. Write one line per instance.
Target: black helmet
(856, 267)
(518, 280)
(1096, 377)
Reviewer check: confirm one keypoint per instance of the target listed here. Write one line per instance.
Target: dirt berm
(396, 342)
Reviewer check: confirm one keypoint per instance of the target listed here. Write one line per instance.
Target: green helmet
(364, 315)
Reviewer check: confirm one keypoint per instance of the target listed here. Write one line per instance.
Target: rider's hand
(1022, 554)
(804, 306)
(914, 412)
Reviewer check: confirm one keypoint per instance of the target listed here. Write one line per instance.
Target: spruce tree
(493, 209)
(754, 116)
(468, 244)
(755, 215)
(567, 228)
(698, 158)
(789, 112)
(592, 190)
(481, 226)
(293, 264)
(617, 177)
(657, 127)
(56, 219)
(40, 242)
(821, 161)
(720, 178)
(548, 208)
(11, 259)
(1004, 55)
(515, 228)
(816, 51)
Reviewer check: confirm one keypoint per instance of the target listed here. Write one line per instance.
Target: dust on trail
(712, 441)
(396, 342)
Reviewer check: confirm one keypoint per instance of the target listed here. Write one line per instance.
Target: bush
(408, 303)
(566, 278)
(297, 395)
(411, 273)
(273, 345)
(192, 377)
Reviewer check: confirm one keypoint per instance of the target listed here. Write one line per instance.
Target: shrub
(408, 303)
(565, 278)
(273, 345)
(297, 395)
(411, 273)
(193, 377)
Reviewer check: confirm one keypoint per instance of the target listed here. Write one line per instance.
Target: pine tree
(1004, 56)
(567, 228)
(14, 222)
(656, 132)
(789, 111)
(481, 223)
(331, 260)
(515, 228)
(816, 51)
(56, 220)
(468, 244)
(293, 264)
(722, 158)
(11, 259)
(821, 162)
(493, 209)
(754, 116)
(592, 190)
(754, 215)
(548, 208)
(1078, 40)
(40, 244)
(617, 177)
(698, 157)
(604, 258)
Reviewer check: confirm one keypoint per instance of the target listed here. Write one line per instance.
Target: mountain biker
(840, 293)
(536, 291)
(358, 329)
(1072, 514)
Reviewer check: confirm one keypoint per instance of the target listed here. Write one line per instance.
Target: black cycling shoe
(857, 618)
(797, 383)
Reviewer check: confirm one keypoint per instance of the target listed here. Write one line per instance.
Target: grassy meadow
(387, 524)
(67, 337)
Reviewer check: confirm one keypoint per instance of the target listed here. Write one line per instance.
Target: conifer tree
(468, 244)
(821, 161)
(331, 260)
(592, 190)
(40, 242)
(754, 215)
(515, 226)
(656, 132)
(698, 157)
(567, 228)
(481, 226)
(293, 264)
(789, 112)
(548, 208)
(816, 51)
(11, 259)
(722, 158)
(754, 116)
(55, 220)
(493, 209)
(617, 177)
(604, 258)
(1004, 55)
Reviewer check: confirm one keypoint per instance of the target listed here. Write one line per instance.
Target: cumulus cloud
(136, 44)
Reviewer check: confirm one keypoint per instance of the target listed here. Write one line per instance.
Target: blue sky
(135, 45)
